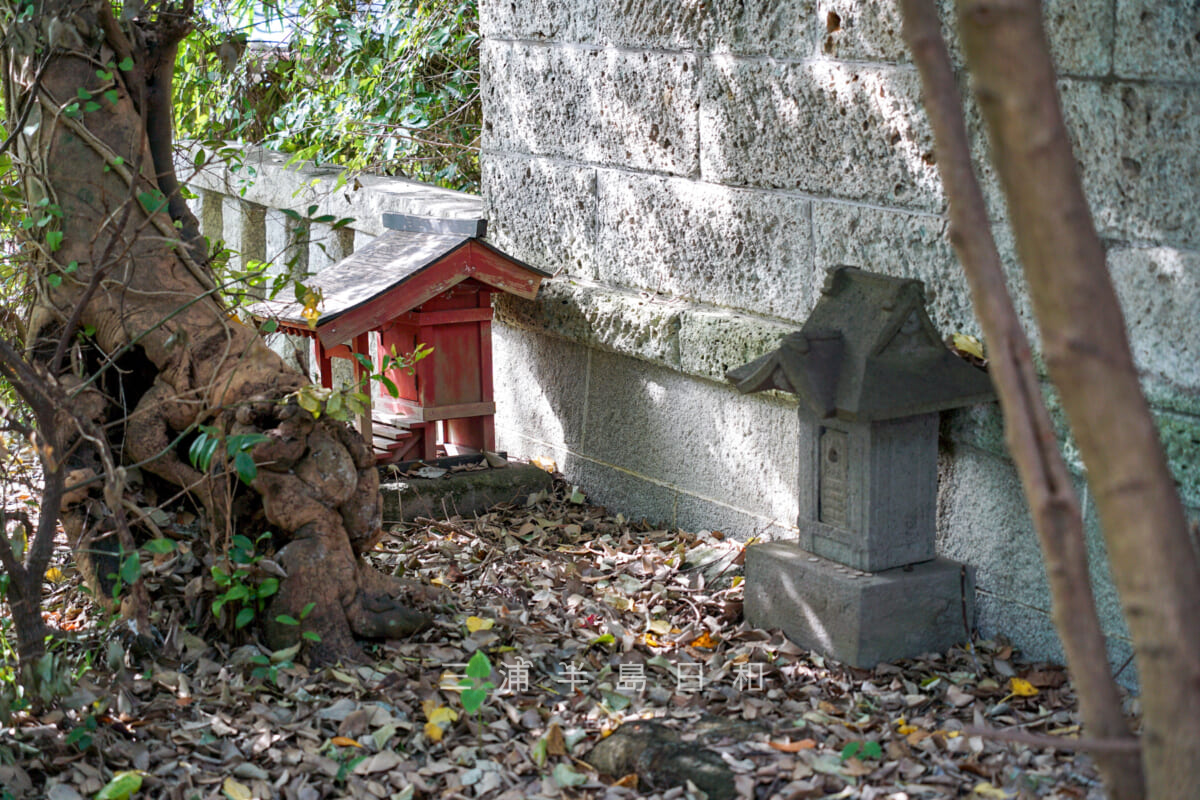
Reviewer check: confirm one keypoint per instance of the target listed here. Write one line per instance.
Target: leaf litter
(589, 622)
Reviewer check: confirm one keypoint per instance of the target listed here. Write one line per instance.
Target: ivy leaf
(159, 546)
(479, 667)
(126, 64)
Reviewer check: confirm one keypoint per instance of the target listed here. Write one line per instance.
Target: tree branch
(1029, 431)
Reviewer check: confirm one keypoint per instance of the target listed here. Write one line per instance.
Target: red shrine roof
(395, 273)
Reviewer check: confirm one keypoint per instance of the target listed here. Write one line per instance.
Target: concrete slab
(858, 618)
(463, 493)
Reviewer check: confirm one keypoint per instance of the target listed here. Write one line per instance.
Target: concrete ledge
(465, 494)
(858, 618)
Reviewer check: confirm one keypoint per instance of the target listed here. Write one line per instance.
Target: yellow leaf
(985, 789)
(443, 714)
(428, 706)
(479, 624)
(967, 344)
(651, 640)
(737, 581)
(1022, 688)
(345, 741)
(905, 730)
(235, 790)
(705, 641)
(544, 463)
(438, 581)
(433, 732)
(54, 575)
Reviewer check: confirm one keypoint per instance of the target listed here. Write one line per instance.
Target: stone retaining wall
(689, 168)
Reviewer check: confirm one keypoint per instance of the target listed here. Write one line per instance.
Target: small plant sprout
(476, 685)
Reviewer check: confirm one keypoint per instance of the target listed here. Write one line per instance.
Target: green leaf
(54, 280)
(270, 326)
(90, 106)
(131, 568)
(268, 587)
(126, 64)
(244, 618)
(851, 750)
(472, 699)
(122, 785)
(54, 240)
(83, 94)
(201, 451)
(308, 609)
(479, 667)
(112, 96)
(284, 619)
(312, 636)
(565, 776)
(872, 750)
(243, 462)
(159, 546)
(153, 202)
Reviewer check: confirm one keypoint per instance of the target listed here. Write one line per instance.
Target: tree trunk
(1153, 561)
(160, 354)
(1028, 429)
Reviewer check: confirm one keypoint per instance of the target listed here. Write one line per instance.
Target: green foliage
(237, 447)
(237, 583)
(476, 685)
(862, 750)
(389, 87)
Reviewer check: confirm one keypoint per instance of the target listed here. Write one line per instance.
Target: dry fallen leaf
(1022, 688)
(479, 624)
(345, 741)
(235, 790)
(794, 747)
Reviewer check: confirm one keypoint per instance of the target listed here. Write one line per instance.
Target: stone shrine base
(859, 618)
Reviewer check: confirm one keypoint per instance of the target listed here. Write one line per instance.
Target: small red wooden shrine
(426, 281)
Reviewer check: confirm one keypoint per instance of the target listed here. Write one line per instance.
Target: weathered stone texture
(704, 242)
(861, 30)
(542, 386)
(781, 28)
(537, 20)
(703, 439)
(1158, 39)
(542, 213)
(860, 619)
(623, 322)
(658, 24)
(1138, 147)
(823, 127)
(1159, 289)
(605, 106)
(713, 342)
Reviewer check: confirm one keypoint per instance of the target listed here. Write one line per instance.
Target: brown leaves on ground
(588, 621)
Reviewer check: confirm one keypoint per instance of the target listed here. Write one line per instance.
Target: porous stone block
(658, 24)
(540, 386)
(541, 212)
(827, 128)
(1158, 40)
(702, 438)
(537, 20)
(1081, 35)
(635, 109)
(713, 342)
(983, 520)
(727, 247)
(1159, 289)
(1138, 147)
(463, 494)
(620, 491)
(623, 322)
(861, 619)
(694, 513)
(1180, 435)
(868, 491)
(862, 30)
(909, 245)
(781, 28)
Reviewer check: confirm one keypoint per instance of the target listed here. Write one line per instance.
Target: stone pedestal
(858, 618)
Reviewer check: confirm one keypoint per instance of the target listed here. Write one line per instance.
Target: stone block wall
(689, 168)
